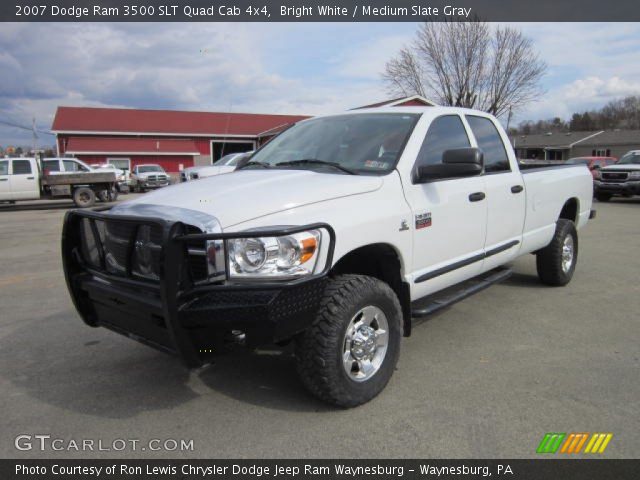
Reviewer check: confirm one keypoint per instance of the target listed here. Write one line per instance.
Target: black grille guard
(170, 289)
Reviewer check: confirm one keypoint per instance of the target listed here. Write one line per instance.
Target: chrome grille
(132, 250)
(614, 176)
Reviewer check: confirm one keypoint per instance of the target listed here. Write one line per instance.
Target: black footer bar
(547, 468)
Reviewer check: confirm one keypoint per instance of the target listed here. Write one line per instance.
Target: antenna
(226, 130)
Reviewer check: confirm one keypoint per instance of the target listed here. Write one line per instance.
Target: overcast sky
(306, 68)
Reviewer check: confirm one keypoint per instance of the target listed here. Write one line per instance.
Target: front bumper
(619, 188)
(177, 315)
(154, 184)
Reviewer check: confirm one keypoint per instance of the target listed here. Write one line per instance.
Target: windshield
(150, 168)
(631, 158)
(578, 161)
(368, 143)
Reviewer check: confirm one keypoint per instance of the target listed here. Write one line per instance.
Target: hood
(628, 166)
(249, 194)
(211, 171)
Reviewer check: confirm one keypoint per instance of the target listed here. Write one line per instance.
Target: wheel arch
(570, 210)
(384, 262)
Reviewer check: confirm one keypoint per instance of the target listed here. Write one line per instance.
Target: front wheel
(350, 351)
(557, 261)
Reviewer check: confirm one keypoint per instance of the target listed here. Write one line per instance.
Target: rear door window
(22, 167)
(490, 142)
(4, 167)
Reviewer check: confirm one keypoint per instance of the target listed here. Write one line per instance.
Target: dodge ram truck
(337, 235)
(52, 179)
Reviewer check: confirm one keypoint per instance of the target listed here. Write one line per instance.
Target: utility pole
(35, 135)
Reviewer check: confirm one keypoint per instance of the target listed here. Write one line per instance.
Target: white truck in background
(227, 164)
(357, 225)
(55, 178)
(148, 176)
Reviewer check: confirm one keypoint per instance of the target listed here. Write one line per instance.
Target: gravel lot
(487, 377)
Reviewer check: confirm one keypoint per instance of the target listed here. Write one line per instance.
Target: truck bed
(80, 178)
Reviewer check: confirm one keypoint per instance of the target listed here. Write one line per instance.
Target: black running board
(447, 297)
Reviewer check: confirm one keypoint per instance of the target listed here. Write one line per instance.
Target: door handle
(476, 197)
(3, 179)
(517, 189)
(30, 178)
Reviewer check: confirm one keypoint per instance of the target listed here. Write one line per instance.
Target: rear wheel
(349, 353)
(84, 197)
(557, 261)
(104, 195)
(603, 197)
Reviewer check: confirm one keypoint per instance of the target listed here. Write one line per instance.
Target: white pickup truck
(28, 179)
(337, 235)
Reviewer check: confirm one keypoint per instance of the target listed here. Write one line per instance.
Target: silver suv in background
(623, 178)
(148, 176)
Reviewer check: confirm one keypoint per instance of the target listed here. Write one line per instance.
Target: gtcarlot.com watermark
(50, 443)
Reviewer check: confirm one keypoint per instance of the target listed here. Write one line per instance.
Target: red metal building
(173, 139)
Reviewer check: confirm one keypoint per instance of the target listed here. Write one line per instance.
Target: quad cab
(337, 235)
(54, 178)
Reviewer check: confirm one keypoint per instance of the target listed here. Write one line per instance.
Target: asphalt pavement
(487, 377)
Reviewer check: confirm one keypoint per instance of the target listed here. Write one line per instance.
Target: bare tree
(468, 64)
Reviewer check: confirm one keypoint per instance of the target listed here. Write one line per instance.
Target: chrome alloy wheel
(365, 343)
(568, 249)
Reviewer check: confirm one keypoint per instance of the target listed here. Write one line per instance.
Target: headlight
(286, 256)
(634, 175)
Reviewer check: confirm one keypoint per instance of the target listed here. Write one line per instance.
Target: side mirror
(456, 163)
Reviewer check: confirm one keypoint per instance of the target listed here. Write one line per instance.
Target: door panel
(505, 192)
(455, 231)
(449, 227)
(24, 181)
(505, 220)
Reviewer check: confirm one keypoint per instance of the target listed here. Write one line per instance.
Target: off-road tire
(549, 259)
(84, 197)
(319, 349)
(603, 197)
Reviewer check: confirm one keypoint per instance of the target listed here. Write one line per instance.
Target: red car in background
(593, 163)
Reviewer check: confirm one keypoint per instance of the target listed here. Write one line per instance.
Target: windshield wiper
(309, 161)
(259, 164)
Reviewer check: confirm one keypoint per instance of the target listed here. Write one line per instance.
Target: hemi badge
(423, 220)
